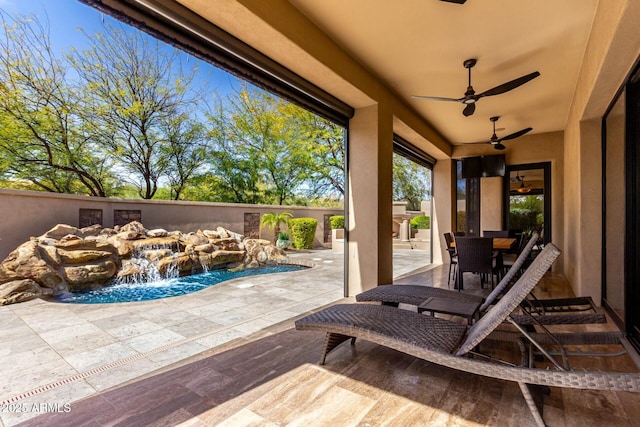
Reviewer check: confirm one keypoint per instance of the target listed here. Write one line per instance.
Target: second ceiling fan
(470, 98)
(497, 142)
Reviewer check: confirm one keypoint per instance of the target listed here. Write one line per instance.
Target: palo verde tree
(233, 175)
(183, 152)
(323, 140)
(43, 137)
(274, 150)
(137, 89)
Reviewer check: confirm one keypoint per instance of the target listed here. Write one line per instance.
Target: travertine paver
(84, 348)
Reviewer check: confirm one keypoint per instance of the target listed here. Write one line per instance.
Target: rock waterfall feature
(68, 259)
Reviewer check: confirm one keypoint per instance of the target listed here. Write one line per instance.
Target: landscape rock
(182, 262)
(134, 226)
(219, 258)
(195, 239)
(157, 243)
(66, 258)
(60, 230)
(123, 247)
(97, 274)
(211, 234)
(158, 232)
(81, 257)
(128, 235)
(25, 262)
(19, 291)
(93, 230)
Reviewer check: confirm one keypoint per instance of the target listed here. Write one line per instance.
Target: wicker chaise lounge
(559, 311)
(450, 344)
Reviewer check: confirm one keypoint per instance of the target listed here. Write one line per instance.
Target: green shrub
(303, 230)
(461, 221)
(336, 222)
(420, 222)
(283, 236)
(524, 219)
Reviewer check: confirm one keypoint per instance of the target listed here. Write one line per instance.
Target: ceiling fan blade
(436, 98)
(499, 146)
(506, 87)
(469, 109)
(515, 134)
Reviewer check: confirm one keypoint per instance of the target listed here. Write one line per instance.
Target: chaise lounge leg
(331, 341)
(534, 403)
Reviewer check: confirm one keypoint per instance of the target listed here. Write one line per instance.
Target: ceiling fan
(497, 142)
(470, 98)
(523, 188)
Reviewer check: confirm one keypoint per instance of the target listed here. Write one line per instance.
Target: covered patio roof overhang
(300, 36)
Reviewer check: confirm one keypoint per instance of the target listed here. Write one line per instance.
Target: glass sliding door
(621, 209)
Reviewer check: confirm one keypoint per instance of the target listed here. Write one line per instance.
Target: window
(467, 203)
(527, 201)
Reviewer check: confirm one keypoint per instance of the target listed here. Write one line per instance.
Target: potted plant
(283, 241)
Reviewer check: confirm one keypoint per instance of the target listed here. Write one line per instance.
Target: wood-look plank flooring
(273, 379)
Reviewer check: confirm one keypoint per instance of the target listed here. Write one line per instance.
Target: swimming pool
(129, 292)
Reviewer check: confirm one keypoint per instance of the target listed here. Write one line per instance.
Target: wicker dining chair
(453, 257)
(475, 255)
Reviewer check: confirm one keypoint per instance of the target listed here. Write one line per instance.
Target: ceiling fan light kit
(497, 142)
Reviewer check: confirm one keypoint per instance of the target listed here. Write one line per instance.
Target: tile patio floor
(55, 354)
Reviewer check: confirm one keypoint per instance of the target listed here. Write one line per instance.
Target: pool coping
(66, 374)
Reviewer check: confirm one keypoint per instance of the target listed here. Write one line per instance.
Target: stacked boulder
(68, 259)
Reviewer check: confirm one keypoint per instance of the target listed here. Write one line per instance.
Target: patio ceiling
(417, 47)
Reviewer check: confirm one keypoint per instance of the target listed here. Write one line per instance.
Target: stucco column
(370, 199)
(491, 203)
(444, 209)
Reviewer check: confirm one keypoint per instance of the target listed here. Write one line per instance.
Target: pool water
(129, 292)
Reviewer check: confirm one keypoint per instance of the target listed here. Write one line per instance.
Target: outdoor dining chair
(475, 255)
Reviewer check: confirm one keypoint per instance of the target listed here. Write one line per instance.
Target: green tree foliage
(122, 118)
(234, 175)
(324, 142)
(257, 145)
(411, 182)
(138, 97)
(526, 212)
(267, 150)
(45, 137)
(420, 222)
(183, 152)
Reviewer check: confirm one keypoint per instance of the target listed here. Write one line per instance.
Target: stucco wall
(443, 208)
(31, 213)
(613, 48)
(491, 203)
(542, 147)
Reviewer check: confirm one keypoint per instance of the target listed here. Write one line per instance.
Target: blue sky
(66, 17)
